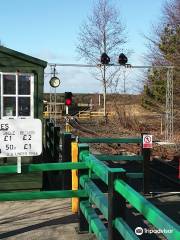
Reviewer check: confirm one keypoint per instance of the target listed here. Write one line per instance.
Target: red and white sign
(147, 141)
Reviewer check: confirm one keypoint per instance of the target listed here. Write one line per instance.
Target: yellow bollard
(74, 154)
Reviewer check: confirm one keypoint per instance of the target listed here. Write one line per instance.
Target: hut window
(16, 95)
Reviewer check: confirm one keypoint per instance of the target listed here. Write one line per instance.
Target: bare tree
(164, 49)
(102, 32)
(163, 44)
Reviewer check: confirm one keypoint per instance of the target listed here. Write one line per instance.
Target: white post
(67, 120)
(99, 99)
(67, 110)
(91, 104)
(104, 104)
(18, 164)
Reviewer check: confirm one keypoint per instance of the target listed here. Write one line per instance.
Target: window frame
(16, 95)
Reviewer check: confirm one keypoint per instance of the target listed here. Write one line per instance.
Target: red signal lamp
(68, 98)
(68, 102)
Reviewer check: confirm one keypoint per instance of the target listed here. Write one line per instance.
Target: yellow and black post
(74, 154)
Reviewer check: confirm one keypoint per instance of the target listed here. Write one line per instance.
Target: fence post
(52, 179)
(66, 157)
(146, 153)
(46, 183)
(83, 223)
(51, 140)
(49, 143)
(116, 204)
(56, 143)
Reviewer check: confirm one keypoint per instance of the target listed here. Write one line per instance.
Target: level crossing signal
(105, 59)
(68, 98)
(122, 59)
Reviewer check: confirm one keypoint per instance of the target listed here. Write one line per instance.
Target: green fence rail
(111, 205)
(95, 195)
(19, 196)
(119, 157)
(148, 210)
(109, 140)
(95, 223)
(98, 169)
(27, 168)
(123, 228)
(143, 158)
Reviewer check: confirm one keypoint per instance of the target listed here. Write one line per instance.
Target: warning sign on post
(147, 141)
(20, 137)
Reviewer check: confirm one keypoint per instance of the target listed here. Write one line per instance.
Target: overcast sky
(48, 29)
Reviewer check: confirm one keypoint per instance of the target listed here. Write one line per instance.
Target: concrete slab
(39, 220)
(53, 220)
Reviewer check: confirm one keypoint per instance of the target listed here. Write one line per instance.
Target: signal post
(68, 102)
(74, 152)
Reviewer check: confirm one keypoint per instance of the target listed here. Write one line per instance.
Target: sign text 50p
(20, 137)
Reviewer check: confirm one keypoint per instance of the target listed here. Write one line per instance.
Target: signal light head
(122, 59)
(68, 102)
(105, 59)
(68, 98)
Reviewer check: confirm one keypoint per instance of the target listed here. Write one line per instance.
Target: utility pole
(124, 78)
(104, 81)
(169, 128)
(104, 76)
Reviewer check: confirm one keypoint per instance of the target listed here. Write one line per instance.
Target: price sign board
(147, 141)
(20, 137)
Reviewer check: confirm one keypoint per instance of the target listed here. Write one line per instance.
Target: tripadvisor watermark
(140, 231)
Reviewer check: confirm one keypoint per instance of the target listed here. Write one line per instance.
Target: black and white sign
(147, 141)
(20, 137)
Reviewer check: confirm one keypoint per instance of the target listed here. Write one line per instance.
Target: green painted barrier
(119, 157)
(135, 175)
(42, 167)
(129, 175)
(124, 229)
(98, 167)
(8, 169)
(90, 190)
(17, 196)
(109, 140)
(95, 223)
(95, 195)
(148, 210)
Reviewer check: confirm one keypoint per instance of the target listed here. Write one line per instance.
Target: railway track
(75, 124)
